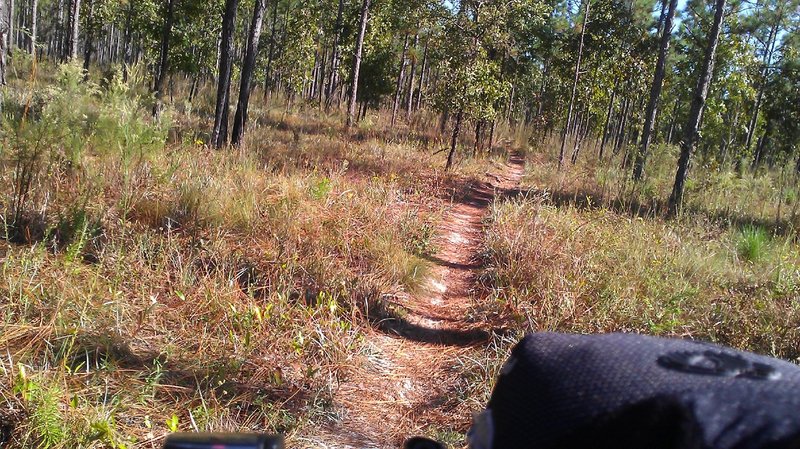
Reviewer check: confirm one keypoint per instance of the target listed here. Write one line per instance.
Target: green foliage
(753, 243)
(375, 78)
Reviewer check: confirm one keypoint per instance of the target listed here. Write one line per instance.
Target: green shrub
(753, 243)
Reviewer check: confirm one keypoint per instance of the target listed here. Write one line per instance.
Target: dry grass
(567, 257)
(769, 198)
(151, 287)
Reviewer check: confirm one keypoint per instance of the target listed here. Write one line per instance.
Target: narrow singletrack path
(406, 383)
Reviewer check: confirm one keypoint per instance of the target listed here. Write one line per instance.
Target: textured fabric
(617, 390)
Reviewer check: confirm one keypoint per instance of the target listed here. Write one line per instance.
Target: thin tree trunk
(351, 109)
(75, 22)
(510, 104)
(758, 157)
(655, 93)
(194, 88)
(10, 16)
(4, 39)
(335, 57)
(34, 30)
(574, 86)
(268, 85)
(608, 119)
(399, 86)
(491, 135)
(219, 135)
(410, 96)
(321, 81)
(88, 41)
(769, 49)
(673, 120)
(19, 35)
(579, 135)
(691, 132)
(545, 69)
(240, 121)
(163, 66)
(454, 141)
(57, 49)
(623, 126)
(422, 74)
(478, 129)
(126, 46)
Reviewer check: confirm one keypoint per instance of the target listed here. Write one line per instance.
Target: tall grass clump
(753, 242)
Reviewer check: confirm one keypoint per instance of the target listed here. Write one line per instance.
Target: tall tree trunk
(219, 135)
(75, 22)
(491, 135)
(422, 74)
(126, 46)
(4, 39)
(88, 41)
(321, 81)
(758, 157)
(769, 48)
(510, 104)
(478, 132)
(240, 121)
(574, 86)
(268, 84)
(399, 86)
(290, 93)
(351, 109)
(691, 132)
(34, 29)
(10, 13)
(581, 129)
(194, 88)
(608, 118)
(333, 79)
(163, 65)
(410, 97)
(454, 141)
(20, 17)
(655, 93)
(622, 127)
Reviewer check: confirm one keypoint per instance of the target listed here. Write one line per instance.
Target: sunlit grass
(169, 286)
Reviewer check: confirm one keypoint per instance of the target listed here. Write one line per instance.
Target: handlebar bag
(633, 391)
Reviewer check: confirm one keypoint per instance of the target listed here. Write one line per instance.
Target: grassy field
(150, 286)
(584, 250)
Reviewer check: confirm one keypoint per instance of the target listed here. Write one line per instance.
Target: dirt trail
(407, 381)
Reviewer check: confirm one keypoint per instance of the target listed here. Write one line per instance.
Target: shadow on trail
(454, 265)
(390, 318)
(444, 337)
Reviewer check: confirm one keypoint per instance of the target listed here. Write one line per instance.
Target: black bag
(631, 391)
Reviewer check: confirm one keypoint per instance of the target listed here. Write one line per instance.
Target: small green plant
(173, 423)
(321, 188)
(753, 243)
(47, 424)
